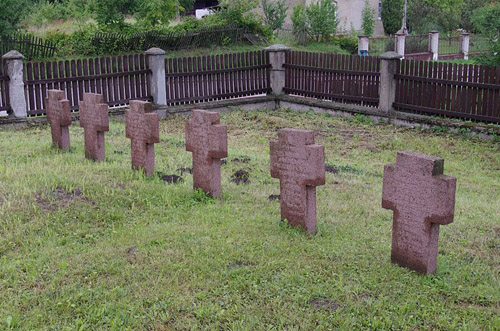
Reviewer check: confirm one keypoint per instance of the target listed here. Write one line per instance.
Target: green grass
(96, 246)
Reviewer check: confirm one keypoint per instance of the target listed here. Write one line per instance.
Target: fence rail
(4, 89)
(334, 77)
(456, 90)
(119, 78)
(30, 46)
(216, 77)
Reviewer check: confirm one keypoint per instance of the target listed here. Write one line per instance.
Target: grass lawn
(88, 246)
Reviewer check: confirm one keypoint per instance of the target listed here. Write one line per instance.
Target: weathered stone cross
(95, 121)
(142, 127)
(206, 138)
(59, 117)
(300, 166)
(422, 198)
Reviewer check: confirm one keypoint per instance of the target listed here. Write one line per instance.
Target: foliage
(274, 13)
(299, 19)
(348, 43)
(392, 15)
(321, 18)
(154, 13)
(238, 12)
(368, 19)
(487, 21)
(11, 12)
(109, 14)
(186, 5)
(469, 7)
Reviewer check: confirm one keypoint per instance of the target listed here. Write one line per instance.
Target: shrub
(487, 21)
(349, 43)
(274, 13)
(299, 19)
(11, 12)
(392, 15)
(108, 13)
(368, 19)
(321, 18)
(158, 12)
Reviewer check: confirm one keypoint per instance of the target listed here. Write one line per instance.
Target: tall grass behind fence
(479, 44)
(416, 44)
(4, 88)
(449, 45)
(380, 45)
(213, 36)
(119, 78)
(30, 46)
(217, 77)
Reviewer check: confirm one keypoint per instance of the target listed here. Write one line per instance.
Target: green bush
(368, 19)
(11, 12)
(349, 43)
(274, 13)
(392, 15)
(322, 18)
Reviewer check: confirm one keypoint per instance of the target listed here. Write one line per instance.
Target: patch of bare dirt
(240, 177)
(324, 304)
(60, 198)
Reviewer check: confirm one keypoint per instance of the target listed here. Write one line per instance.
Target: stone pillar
(277, 54)
(434, 44)
(464, 44)
(15, 71)
(399, 44)
(156, 60)
(388, 67)
(363, 45)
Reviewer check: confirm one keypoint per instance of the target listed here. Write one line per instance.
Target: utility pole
(405, 17)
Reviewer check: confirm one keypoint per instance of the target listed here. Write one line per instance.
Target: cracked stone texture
(59, 117)
(142, 128)
(422, 199)
(206, 138)
(300, 166)
(95, 121)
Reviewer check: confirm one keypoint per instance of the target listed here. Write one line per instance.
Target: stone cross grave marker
(422, 199)
(142, 127)
(206, 138)
(300, 166)
(95, 121)
(59, 117)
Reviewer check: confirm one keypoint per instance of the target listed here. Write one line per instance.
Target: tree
(108, 13)
(274, 13)
(368, 19)
(158, 12)
(321, 18)
(487, 21)
(470, 6)
(11, 12)
(392, 15)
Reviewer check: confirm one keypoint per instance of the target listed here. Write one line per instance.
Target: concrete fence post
(388, 68)
(15, 71)
(400, 43)
(464, 45)
(277, 56)
(434, 44)
(156, 61)
(363, 45)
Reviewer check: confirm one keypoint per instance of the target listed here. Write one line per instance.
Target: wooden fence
(216, 77)
(30, 46)
(4, 88)
(118, 78)
(455, 90)
(334, 77)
